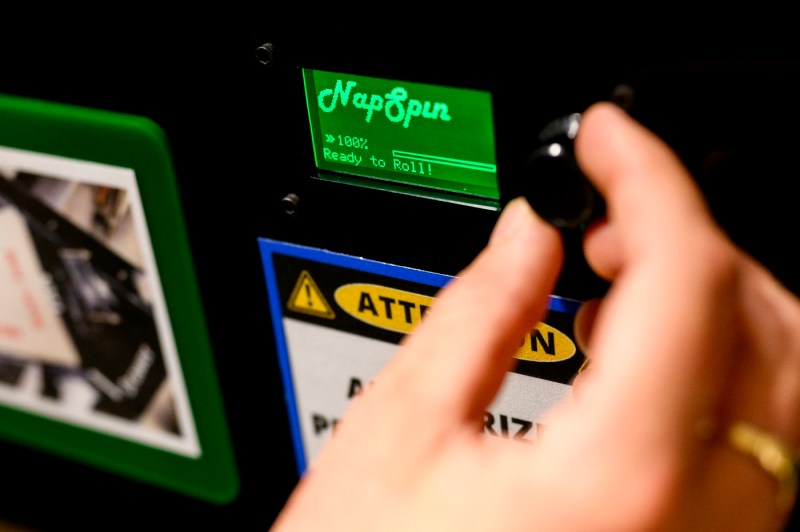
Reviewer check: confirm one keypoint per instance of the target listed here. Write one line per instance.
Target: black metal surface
(235, 120)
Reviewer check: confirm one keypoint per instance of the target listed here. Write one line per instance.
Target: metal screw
(624, 96)
(290, 204)
(265, 54)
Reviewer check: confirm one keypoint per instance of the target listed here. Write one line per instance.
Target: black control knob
(552, 181)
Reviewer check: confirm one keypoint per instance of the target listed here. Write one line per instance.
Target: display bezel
(383, 115)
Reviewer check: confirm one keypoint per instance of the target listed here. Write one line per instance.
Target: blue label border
(268, 247)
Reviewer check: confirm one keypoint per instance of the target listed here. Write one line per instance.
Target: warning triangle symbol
(307, 298)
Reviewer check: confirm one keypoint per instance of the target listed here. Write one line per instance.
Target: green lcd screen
(431, 136)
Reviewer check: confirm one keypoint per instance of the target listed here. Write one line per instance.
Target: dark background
(720, 93)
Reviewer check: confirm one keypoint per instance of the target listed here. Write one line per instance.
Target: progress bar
(448, 161)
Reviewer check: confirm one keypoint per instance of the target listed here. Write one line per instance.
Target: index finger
(469, 335)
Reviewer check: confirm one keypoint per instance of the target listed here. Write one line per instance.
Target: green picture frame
(152, 412)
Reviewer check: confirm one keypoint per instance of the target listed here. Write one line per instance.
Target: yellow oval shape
(384, 307)
(546, 344)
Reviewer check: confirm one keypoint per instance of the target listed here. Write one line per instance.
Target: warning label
(308, 299)
(338, 320)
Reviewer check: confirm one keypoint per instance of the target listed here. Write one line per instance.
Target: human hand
(692, 335)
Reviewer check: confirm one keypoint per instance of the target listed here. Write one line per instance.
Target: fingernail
(514, 216)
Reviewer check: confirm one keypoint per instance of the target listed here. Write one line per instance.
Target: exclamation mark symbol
(307, 298)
